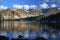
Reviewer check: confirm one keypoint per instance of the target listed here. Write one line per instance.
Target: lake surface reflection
(20, 26)
(27, 29)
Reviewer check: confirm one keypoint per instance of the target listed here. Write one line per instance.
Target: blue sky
(29, 4)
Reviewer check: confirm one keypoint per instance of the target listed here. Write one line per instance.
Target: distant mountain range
(18, 14)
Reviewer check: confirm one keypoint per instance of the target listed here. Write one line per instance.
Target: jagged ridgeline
(21, 14)
(18, 14)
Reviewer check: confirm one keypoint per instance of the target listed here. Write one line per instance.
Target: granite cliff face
(17, 14)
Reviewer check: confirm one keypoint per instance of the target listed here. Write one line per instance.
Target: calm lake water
(28, 29)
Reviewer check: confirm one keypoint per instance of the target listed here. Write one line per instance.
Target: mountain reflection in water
(28, 29)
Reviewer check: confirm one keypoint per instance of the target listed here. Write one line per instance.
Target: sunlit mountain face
(29, 4)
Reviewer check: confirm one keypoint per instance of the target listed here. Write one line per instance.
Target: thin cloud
(53, 5)
(33, 6)
(3, 7)
(26, 7)
(17, 6)
(44, 5)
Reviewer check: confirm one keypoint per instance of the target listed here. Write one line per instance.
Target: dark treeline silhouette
(4, 38)
(40, 38)
(36, 18)
(55, 18)
(53, 21)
